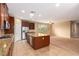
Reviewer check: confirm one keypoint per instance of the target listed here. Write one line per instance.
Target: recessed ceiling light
(32, 13)
(57, 4)
(23, 11)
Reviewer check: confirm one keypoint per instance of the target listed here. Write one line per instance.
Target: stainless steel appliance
(24, 31)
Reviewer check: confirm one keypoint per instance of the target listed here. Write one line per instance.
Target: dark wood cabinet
(11, 29)
(25, 23)
(41, 41)
(46, 40)
(37, 42)
(31, 26)
(4, 16)
(3, 13)
(0, 22)
(28, 24)
(0, 16)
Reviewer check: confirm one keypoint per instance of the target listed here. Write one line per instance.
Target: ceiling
(47, 11)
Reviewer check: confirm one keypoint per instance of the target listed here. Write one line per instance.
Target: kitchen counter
(6, 46)
(37, 34)
(39, 40)
(3, 36)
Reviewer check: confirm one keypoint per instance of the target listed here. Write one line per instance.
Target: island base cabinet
(46, 41)
(39, 42)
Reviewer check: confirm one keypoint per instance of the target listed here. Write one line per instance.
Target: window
(42, 28)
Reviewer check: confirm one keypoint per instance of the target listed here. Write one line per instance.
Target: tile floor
(57, 47)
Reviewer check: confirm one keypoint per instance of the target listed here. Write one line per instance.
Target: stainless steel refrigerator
(24, 31)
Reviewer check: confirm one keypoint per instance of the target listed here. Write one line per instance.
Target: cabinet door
(25, 23)
(37, 42)
(11, 22)
(31, 26)
(46, 40)
(0, 16)
(3, 13)
(6, 12)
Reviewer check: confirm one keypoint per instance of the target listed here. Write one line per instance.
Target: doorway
(75, 29)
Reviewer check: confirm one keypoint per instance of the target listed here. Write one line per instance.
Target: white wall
(62, 29)
(17, 29)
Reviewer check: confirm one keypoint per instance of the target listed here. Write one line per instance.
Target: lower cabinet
(46, 40)
(39, 42)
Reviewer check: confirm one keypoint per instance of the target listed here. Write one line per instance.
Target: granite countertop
(5, 44)
(4, 36)
(37, 34)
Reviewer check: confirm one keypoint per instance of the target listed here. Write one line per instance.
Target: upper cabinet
(0, 15)
(11, 23)
(28, 24)
(3, 14)
(31, 26)
(6, 21)
(25, 23)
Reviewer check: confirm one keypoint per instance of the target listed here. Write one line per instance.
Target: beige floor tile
(57, 47)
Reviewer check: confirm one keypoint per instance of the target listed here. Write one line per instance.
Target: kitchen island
(38, 40)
